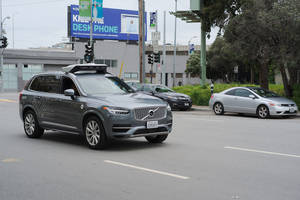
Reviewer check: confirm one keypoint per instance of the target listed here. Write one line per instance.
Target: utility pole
(174, 57)
(203, 48)
(164, 54)
(141, 41)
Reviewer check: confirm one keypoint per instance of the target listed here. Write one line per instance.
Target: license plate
(186, 104)
(292, 109)
(152, 124)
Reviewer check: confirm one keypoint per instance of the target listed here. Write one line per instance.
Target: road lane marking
(7, 100)
(10, 160)
(264, 152)
(147, 170)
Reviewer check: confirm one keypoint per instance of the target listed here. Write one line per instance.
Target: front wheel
(156, 138)
(31, 125)
(263, 112)
(95, 134)
(218, 109)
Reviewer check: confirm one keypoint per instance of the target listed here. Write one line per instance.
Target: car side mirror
(252, 96)
(70, 93)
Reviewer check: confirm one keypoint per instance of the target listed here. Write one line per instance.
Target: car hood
(173, 94)
(280, 100)
(130, 101)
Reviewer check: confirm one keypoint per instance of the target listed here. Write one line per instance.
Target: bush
(200, 96)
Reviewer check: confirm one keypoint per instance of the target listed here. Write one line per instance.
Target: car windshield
(98, 84)
(162, 89)
(264, 93)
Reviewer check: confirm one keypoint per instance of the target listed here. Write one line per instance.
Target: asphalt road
(206, 157)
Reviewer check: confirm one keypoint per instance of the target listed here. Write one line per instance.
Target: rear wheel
(95, 134)
(263, 112)
(156, 138)
(31, 125)
(218, 109)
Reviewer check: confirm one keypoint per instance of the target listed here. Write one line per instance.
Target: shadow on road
(116, 145)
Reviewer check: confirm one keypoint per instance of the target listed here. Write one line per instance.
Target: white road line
(264, 152)
(148, 170)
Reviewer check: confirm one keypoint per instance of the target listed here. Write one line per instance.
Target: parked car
(175, 100)
(252, 100)
(136, 85)
(87, 100)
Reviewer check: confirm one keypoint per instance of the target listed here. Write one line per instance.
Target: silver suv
(85, 99)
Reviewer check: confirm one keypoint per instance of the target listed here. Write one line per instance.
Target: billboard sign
(153, 20)
(116, 24)
(85, 10)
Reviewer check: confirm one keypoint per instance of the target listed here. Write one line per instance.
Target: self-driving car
(87, 100)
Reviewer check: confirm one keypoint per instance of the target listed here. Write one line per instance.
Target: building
(120, 57)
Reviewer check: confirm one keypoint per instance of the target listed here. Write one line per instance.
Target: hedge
(200, 95)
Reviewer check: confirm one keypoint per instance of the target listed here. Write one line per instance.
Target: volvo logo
(151, 113)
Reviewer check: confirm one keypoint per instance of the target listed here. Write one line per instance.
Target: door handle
(38, 98)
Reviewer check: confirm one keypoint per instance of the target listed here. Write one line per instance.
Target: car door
(244, 103)
(228, 100)
(69, 111)
(50, 86)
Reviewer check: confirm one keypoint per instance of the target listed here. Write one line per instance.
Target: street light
(174, 56)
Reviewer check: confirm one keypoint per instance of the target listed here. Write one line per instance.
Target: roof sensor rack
(99, 68)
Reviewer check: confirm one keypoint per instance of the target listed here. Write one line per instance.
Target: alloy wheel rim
(29, 124)
(263, 112)
(218, 108)
(92, 132)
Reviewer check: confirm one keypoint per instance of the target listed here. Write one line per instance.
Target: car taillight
(20, 96)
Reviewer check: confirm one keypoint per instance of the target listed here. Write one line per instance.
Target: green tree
(193, 65)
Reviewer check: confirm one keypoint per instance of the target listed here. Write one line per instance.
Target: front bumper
(283, 111)
(180, 104)
(129, 127)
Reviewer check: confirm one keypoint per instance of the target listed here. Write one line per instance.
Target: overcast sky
(42, 23)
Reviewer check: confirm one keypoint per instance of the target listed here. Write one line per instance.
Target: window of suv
(50, 84)
(99, 84)
(68, 83)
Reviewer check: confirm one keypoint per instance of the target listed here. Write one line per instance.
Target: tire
(94, 133)
(263, 112)
(156, 139)
(218, 108)
(31, 125)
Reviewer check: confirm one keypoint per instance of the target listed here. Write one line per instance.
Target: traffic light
(157, 58)
(4, 42)
(89, 52)
(150, 59)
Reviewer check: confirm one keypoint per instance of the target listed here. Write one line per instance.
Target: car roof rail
(99, 68)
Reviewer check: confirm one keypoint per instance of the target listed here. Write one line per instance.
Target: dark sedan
(175, 100)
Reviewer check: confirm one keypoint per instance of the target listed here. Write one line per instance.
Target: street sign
(98, 10)
(153, 20)
(236, 69)
(85, 9)
(191, 48)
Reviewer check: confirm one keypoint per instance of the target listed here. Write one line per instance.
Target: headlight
(169, 108)
(116, 111)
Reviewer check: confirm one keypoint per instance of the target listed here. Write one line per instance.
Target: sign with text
(116, 24)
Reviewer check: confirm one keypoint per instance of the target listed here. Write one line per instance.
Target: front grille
(143, 114)
(287, 105)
